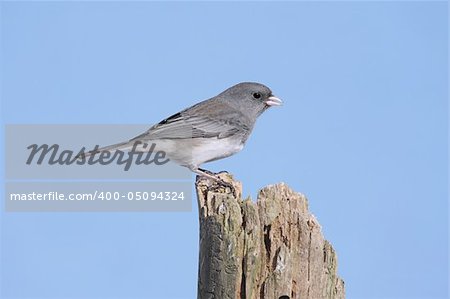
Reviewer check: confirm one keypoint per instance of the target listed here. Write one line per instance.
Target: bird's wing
(199, 121)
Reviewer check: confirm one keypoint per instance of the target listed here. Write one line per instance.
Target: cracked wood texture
(270, 249)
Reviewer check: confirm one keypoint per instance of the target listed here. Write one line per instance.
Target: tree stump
(270, 249)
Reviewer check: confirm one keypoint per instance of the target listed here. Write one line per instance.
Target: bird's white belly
(196, 151)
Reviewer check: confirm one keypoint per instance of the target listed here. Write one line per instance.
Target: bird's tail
(124, 146)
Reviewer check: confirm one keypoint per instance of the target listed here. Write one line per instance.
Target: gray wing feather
(200, 121)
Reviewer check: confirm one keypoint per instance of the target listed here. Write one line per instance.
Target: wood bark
(270, 249)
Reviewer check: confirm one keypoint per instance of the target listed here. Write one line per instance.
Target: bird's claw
(219, 182)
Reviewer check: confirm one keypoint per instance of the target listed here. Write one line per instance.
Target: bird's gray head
(250, 98)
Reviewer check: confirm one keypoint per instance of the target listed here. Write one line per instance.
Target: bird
(210, 130)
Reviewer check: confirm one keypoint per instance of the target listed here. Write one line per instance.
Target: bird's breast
(197, 151)
(211, 149)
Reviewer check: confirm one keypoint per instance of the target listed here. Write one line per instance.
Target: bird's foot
(205, 171)
(215, 177)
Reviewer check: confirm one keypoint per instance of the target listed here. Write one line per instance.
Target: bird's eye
(257, 95)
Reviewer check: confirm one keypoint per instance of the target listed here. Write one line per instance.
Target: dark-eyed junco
(210, 130)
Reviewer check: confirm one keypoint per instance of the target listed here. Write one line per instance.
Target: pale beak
(273, 101)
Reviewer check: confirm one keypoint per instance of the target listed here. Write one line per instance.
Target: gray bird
(210, 130)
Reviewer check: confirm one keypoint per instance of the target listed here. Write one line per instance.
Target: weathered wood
(273, 249)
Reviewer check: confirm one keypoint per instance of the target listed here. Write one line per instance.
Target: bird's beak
(273, 101)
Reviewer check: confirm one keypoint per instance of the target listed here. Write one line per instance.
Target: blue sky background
(363, 133)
